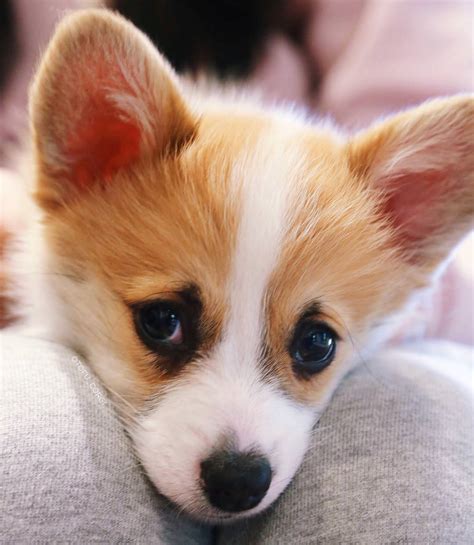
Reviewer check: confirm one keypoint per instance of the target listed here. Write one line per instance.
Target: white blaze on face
(226, 395)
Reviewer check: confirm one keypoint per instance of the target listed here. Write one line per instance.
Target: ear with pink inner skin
(103, 98)
(421, 163)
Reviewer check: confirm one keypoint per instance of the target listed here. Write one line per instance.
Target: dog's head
(222, 267)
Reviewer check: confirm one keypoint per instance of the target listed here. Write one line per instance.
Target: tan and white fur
(147, 186)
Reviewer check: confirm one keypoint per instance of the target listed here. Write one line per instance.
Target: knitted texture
(67, 470)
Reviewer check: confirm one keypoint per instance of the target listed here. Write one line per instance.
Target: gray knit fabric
(391, 460)
(67, 471)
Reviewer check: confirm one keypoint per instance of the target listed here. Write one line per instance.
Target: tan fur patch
(160, 226)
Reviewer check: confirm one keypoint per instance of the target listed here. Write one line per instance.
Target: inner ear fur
(420, 165)
(103, 97)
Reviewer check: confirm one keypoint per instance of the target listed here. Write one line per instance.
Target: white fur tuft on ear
(421, 162)
(102, 98)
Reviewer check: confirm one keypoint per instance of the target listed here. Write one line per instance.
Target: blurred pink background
(370, 56)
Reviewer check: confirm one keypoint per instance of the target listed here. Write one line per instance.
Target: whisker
(122, 399)
(358, 350)
(135, 466)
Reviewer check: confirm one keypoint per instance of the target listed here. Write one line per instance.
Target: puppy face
(221, 267)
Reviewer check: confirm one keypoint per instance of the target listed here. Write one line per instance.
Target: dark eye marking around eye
(312, 346)
(169, 327)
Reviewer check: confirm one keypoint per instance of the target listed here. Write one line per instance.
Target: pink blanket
(372, 56)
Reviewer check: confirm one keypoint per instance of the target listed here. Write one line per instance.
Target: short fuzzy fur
(147, 186)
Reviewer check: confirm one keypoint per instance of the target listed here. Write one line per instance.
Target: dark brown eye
(169, 327)
(161, 323)
(313, 347)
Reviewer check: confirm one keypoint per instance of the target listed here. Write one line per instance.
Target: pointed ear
(421, 165)
(103, 97)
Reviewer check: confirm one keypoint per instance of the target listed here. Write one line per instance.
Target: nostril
(235, 481)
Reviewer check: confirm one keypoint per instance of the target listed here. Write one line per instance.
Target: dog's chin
(198, 508)
(194, 503)
(222, 518)
(209, 515)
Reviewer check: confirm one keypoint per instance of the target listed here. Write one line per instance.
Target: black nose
(235, 481)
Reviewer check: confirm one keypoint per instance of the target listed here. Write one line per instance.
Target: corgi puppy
(220, 265)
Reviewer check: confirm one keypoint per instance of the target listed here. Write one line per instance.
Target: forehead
(178, 220)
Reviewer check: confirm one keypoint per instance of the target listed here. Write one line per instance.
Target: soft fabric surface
(391, 460)
(68, 472)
